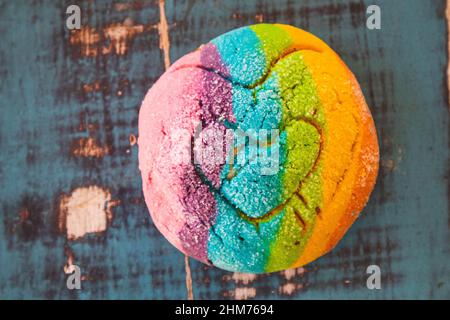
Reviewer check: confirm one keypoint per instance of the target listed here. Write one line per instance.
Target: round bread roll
(257, 151)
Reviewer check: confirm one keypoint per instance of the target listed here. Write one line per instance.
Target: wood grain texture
(69, 106)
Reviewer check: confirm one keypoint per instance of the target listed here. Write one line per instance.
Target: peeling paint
(133, 139)
(244, 293)
(241, 278)
(290, 288)
(291, 273)
(292, 285)
(86, 38)
(243, 288)
(90, 87)
(120, 35)
(190, 292)
(163, 30)
(89, 147)
(85, 210)
(115, 38)
(389, 164)
(392, 164)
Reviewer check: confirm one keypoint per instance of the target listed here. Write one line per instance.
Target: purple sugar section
(216, 108)
(201, 207)
(215, 105)
(217, 93)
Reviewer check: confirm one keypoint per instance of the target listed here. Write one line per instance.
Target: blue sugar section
(250, 190)
(237, 245)
(242, 53)
(243, 102)
(265, 107)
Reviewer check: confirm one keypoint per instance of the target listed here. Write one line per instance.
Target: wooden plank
(68, 122)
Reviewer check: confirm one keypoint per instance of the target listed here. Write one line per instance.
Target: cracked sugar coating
(232, 214)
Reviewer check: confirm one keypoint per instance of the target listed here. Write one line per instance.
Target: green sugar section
(274, 42)
(301, 109)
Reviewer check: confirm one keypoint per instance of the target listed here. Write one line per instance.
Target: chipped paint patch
(163, 30)
(120, 35)
(291, 273)
(89, 147)
(90, 87)
(115, 38)
(244, 293)
(87, 38)
(85, 210)
(392, 164)
(133, 139)
(241, 278)
(291, 286)
(243, 288)
(190, 292)
(389, 164)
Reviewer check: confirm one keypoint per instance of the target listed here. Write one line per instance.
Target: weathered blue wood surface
(52, 90)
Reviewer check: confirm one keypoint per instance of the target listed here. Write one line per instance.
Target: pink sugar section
(190, 59)
(164, 153)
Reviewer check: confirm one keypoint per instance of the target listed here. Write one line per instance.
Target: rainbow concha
(257, 205)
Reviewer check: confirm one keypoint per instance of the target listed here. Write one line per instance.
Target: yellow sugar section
(349, 129)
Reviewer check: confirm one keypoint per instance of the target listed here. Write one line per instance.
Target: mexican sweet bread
(257, 150)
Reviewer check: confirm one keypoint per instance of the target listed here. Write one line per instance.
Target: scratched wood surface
(70, 187)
